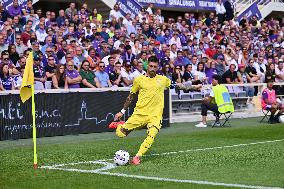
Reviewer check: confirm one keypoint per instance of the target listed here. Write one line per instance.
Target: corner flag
(26, 92)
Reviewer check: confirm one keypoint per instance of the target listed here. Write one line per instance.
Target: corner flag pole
(34, 126)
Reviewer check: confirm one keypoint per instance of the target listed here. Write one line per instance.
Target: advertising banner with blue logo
(8, 3)
(129, 6)
(192, 4)
(249, 12)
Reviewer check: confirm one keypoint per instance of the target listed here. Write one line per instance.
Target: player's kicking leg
(146, 145)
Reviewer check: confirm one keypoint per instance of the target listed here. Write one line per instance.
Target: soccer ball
(281, 119)
(121, 157)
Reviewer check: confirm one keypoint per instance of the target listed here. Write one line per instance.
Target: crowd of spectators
(78, 48)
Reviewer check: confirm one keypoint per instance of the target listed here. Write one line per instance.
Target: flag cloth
(28, 79)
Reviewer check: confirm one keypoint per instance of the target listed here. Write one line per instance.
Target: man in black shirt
(115, 75)
(251, 71)
(50, 68)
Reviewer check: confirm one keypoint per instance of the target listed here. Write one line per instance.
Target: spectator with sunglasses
(102, 76)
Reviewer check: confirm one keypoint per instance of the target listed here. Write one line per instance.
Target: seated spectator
(115, 75)
(138, 70)
(260, 68)
(58, 79)
(219, 101)
(50, 68)
(279, 72)
(102, 76)
(270, 73)
(199, 74)
(220, 66)
(245, 77)
(6, 81)
(269, 102)
(72, 77)
(188, 73)
(89, 79)
(127, 75)
(39, 73)
(177, 76)
(231, 76)
(251, 71)
(166, 71)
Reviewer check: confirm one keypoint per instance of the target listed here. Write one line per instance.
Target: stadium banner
(129, 6)
(64, 113)
(251, 11)
(188, 4)
(8, 3)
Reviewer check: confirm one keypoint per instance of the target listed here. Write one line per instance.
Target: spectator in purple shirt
(73, 78)
(15, 9)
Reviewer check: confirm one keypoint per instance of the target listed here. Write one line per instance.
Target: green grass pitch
(248, 154)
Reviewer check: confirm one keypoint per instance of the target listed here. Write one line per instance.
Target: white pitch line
(109, 166)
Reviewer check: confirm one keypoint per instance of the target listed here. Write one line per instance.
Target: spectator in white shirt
(220, 11)
(139, 70)
(175, 40)
(41, 33)
(279, 72)
(127, 75)
(115, 13)
(260, 68)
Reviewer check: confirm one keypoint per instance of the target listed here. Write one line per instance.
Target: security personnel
(219, 101)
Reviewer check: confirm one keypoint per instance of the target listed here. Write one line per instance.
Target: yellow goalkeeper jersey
(150, 95)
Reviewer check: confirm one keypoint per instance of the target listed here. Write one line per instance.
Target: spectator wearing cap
(72, 77)
(102, 76)
(127, 75)
(220, 66)
(104, 34)
(39, 73)
(89, 79)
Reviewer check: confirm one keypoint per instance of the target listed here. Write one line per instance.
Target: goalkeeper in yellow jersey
(149, 107)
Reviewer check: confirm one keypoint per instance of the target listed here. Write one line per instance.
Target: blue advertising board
(249, 12)
(192, 4)
(127, 6)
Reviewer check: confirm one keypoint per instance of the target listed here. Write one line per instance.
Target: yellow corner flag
(28, 79)
(26, 92)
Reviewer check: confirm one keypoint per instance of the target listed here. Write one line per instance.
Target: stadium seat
(242, 94)
(232, 94)
(185, 96)
(175, 97)
(175, 106)
(226, 116)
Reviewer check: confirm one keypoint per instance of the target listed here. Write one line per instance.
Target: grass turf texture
(260, 164)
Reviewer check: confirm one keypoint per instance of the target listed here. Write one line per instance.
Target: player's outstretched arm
(125, 107)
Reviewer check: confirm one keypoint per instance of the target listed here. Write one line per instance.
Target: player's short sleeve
(136, 86)
(168, 82)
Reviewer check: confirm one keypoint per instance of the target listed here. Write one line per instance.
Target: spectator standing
(220, 11)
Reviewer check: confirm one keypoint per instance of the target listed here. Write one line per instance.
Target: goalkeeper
(149, 107)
